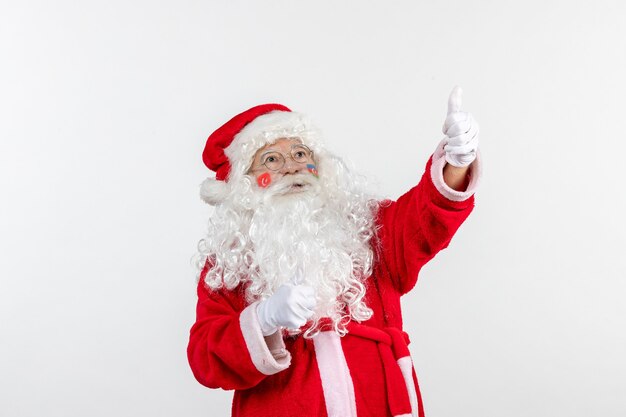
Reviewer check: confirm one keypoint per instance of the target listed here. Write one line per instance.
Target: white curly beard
(311, 234)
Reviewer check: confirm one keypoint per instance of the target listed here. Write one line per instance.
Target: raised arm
(420, 223)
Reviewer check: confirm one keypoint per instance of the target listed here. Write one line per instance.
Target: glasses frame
(284, 158)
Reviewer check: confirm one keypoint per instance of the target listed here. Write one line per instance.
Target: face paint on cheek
(312, 169)
(264, 180)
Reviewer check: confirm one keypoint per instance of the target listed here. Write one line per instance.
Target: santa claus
(301, 270)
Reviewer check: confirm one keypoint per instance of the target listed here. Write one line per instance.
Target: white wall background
(104, 110)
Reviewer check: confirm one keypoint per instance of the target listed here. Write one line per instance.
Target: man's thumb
(455, 100)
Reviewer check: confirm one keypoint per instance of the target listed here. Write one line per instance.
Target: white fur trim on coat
(406, 367)
(335, 375)
(268, 353)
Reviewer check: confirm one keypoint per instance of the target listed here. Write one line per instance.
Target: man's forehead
(281, 142)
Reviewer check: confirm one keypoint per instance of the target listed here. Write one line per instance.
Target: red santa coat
(369, 371)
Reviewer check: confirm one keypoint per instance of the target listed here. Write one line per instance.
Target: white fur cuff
(436, 174)
(267, 353)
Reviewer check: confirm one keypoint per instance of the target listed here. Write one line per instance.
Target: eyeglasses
(274, 160)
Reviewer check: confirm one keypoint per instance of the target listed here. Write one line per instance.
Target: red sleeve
(417, 226)
(226, 347)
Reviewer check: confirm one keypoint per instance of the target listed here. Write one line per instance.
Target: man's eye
(270, 159)
(300, 154)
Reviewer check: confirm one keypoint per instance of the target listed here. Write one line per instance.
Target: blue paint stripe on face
(312, 169)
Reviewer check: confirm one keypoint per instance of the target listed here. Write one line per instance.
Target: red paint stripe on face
(264, 180)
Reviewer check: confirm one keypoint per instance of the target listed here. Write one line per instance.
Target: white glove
(461, 132)
(290, 306)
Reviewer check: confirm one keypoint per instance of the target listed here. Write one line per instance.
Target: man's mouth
(297, 187)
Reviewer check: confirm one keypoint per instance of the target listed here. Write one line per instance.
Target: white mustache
(286, 182)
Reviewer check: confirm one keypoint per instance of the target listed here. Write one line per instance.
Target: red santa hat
(230, 149)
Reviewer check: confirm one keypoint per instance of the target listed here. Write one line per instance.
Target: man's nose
(291, 166)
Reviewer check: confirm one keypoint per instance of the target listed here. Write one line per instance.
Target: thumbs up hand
(461, 132)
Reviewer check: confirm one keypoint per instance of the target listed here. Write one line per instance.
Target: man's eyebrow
(268, 151)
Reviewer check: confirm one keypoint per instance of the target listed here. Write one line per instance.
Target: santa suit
(369, 371)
